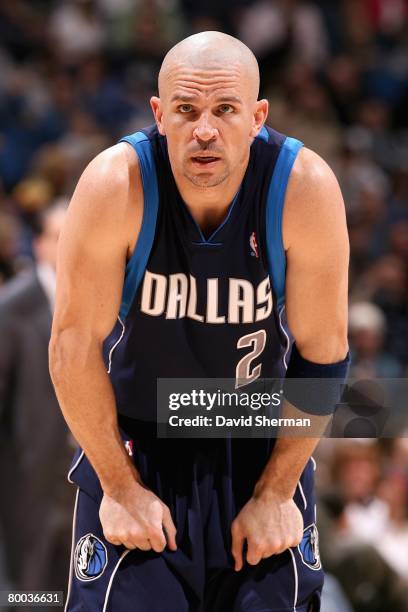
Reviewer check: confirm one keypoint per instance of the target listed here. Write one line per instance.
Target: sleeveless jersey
(196, 306)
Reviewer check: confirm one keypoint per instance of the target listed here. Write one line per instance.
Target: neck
(209, 205)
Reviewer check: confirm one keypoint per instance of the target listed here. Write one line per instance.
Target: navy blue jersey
(203, 306)
(197, 306)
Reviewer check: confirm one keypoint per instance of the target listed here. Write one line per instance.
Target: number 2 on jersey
(243, 373)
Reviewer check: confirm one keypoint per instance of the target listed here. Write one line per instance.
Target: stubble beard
(206, 181)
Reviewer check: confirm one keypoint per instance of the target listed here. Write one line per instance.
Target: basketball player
(189, 250)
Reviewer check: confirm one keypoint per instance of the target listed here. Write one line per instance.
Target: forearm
(87, 401)
(290, 454)
(285, 466)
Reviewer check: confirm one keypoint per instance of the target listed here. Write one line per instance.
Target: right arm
(103, 221)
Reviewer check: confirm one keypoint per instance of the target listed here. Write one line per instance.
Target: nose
(204, 132)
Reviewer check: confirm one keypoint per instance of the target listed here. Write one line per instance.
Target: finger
(135, 539)
(129, 545)
(236, 549)
(254, 554)
(157, 538)
(276, 547)
(144, 545)
(269, 553)
(112, 539)
(169, 529)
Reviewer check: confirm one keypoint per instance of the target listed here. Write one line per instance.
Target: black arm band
(314, 388)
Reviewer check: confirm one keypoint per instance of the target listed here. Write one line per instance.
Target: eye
(225, 109)
(185, 108)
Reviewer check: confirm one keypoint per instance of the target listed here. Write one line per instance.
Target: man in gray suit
(35, 451)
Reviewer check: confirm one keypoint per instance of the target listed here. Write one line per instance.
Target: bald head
(207, 52)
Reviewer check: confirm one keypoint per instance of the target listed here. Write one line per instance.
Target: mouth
(204, 160)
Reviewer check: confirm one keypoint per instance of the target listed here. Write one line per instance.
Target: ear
(155, 104)
(260, 114)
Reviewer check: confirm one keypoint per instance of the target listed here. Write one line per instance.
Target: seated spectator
(367, 326)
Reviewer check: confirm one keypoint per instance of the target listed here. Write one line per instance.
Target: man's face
(209, 118)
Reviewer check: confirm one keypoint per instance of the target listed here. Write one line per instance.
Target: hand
(136, 519)
(270, 524)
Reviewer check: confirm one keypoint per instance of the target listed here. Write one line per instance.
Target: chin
(206, 179)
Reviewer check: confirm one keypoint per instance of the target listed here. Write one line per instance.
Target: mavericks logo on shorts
(90, 557)
(309, 548)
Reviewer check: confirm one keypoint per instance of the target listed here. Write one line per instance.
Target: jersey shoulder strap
(137, 263)
(274, 209)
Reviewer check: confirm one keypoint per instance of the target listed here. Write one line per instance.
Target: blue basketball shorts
(204, 483)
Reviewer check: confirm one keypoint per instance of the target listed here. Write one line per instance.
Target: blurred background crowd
(75, 76)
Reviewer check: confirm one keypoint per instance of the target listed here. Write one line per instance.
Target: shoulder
(313, 202)
(108, 199)
(311, 177)
(113, 169)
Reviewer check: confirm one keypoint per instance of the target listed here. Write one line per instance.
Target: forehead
(183, 81)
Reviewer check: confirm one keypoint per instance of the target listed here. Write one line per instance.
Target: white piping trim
(285, 363)
(116, 344)
(296, 579)
(71, 563)
(314, 463)
(115, 569)
(74, 467)
(302, 494)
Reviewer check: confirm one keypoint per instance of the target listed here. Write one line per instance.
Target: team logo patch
(90, 558)
(254, 245)
(309, 548)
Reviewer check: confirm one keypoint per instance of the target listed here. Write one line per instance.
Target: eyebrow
(193, 97)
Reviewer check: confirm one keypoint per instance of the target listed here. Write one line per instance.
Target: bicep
(317, 262)
(92, 252)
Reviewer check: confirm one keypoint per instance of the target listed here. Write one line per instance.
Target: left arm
(317, 254)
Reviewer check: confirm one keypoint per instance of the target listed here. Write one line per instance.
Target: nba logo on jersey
(254, 245)
(129, 447)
